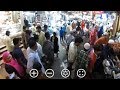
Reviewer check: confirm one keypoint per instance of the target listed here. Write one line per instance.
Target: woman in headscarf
(11, 65)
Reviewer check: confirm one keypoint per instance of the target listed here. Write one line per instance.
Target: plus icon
(33, 73)
(81, 73)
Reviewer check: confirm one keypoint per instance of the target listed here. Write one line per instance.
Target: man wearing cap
(73, 51)
(110, 50)
(103, 40)
(82, 59)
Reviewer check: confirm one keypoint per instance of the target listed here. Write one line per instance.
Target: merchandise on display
(56, 19)
(7, 22)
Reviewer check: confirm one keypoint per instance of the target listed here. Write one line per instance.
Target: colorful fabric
(82, 60)
(13, 62)
(73, 25)
(82, 25)
(93, 37)
(101, 40)
(92, 61)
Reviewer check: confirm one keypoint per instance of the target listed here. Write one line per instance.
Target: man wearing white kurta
(73, 51)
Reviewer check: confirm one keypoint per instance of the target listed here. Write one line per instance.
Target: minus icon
(49, 73)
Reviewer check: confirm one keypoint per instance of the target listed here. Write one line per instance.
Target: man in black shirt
(98, 71)
(18, 54)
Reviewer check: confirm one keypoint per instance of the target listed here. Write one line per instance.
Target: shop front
(10, 20)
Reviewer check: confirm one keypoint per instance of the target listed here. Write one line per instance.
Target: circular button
(49, 73)
(81, 73)
(65, 73)
(33, 73)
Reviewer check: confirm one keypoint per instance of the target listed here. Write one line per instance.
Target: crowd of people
(87, 47)
(39, 52)
(91, 49)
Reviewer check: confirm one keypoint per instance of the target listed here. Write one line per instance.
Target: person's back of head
(47, 35)
(16, 41)
(31, 38)
(28, 32)
(61, 28)
(7, 33)
(54, 33)
(45, 26)
(36, 37)
(31, 43)
(38, 28)
(93, 25)
(78, 28)
(78, 39)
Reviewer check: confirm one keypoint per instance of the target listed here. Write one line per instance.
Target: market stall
(10, 20)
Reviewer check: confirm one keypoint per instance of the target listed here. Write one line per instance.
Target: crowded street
(59, 45)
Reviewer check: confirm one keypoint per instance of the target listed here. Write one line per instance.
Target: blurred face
(35, 47)
(8, 58)
(39, 30)
(9, 34)
(45, 27)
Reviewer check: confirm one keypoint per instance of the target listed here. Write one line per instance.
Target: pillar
(115, 25)
(118, 24)
(22, 20)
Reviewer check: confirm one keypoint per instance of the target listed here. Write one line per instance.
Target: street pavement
(61, 62)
